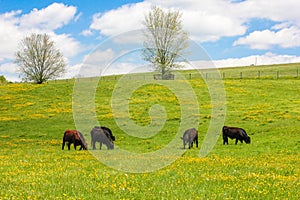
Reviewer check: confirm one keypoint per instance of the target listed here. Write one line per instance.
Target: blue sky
(233, 33)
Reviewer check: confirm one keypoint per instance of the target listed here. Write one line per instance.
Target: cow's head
(85, 146)
(247, 139)
(110, 145)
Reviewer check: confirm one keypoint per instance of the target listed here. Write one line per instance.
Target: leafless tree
(165, 40)
(38, 59)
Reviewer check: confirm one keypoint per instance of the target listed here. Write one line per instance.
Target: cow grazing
(238, 134)
(102, 135)
(75, 137)
(190, 136)
(107, 132)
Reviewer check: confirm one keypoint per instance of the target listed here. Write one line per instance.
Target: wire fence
(202, 74)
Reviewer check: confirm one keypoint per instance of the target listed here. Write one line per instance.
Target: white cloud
(208, 20)
(211, 20)
(210, 27)
(265, 59)
(50, 18)
(9, 34)
(99, 57)
(285, 38)
(277, 11)
(95, 63)
(66, 44)
(126, 18)
(14, 26)
(125, 68)
(87, 32)
(204, 20)
(8, 68)
(73, 71)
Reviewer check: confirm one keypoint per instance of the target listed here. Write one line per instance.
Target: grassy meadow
(34, 117)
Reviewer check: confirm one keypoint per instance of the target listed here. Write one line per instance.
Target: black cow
(107, 132)
(102, 135)
(75, 137)
(190, 136)
(238, 134)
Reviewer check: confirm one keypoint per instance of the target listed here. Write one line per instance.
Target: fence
(204, 74)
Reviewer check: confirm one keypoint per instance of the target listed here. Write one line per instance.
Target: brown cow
(190, 136)
(102, 135)
(238, 134)
(75, 137)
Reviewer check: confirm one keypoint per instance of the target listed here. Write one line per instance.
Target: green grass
(34, 117)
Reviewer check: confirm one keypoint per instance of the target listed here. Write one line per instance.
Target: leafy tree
(165, 41)
(38, 60)
(2, 79)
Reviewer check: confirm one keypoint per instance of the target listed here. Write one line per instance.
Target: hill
(34, 117)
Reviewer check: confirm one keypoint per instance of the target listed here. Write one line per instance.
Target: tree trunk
(163, 72)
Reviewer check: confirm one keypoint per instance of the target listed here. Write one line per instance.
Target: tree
(38, 60)
(165, 41)
(2, 79)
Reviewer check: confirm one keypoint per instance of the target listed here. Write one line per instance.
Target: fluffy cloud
(277, 11)
(126, 18)
(50, 18)
(9, 34)
(211, 20)
(266, 39)
(205, 20)
(265, 59)
(8, 68)
(67, 45)
(14, 26)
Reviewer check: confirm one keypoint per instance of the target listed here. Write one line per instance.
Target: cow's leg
(236, 141)
(63, 145)
(225, 140)
(93, 144)
(197, 143)
(100, 145)
(69, 145)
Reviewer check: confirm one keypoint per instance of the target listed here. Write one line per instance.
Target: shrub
(2, 79)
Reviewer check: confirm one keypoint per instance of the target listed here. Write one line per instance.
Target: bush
(2, 79)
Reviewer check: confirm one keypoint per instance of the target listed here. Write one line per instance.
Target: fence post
(190, 76)
(297, 73)
(206, 76)
(277, 75)
(258, 74)
(241, 75)
(223, 75)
